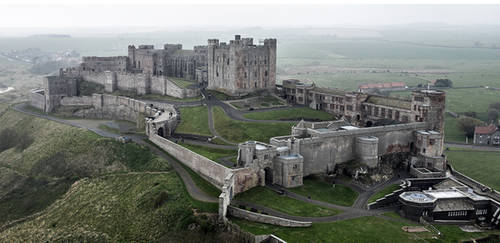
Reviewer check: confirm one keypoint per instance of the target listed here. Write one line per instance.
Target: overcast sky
(97, 14)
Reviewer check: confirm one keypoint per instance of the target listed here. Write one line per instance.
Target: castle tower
(429, 106)
(246, 152)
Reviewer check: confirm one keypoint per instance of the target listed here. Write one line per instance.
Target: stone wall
(267, 219)
(322, 151)
(37, 99)
(77, 101)
(210, 170)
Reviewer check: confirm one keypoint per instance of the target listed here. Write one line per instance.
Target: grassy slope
(479, 165)
(194, 120)
(211, 153)
(383, 192)
(121, 207)
(365, 229)
(290, 114)
(452, 131)
(238, 131)
(34, 177)
(181, 82)
(323, 191)
(266, 197)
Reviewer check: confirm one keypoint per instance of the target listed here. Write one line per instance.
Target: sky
(27, 14)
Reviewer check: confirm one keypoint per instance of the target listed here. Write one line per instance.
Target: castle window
(255, 84)
(228, 61)
(432, 141)
(245, 74)
(265, 73)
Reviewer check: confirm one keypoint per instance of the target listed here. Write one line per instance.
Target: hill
(69, 184)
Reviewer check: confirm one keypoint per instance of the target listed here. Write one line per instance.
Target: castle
(236, 68)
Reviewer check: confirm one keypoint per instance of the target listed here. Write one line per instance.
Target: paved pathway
(472, 146)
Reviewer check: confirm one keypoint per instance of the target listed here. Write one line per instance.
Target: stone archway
(369, 124)
(268, 175)
(160, 132)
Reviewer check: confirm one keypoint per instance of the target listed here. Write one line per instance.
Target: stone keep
(367, 150)
(240, 66)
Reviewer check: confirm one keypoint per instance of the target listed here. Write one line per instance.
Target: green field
(291, 114)
(479, 165)
(211, 153)
(365, 229)
(239, 131)
(383, 192)
(320, 190)
(194, 120)
(452, 130)
(268, 198)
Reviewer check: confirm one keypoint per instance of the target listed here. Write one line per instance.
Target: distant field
(452, 130)
(481, 166)
(291, 114)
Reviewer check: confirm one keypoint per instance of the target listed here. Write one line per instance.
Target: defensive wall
(323, 150)
(133, 82)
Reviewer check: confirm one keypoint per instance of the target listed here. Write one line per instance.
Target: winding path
(195, 192)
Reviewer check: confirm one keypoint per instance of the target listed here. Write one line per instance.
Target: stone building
(241, 66)
(487, 135)
(369, 110)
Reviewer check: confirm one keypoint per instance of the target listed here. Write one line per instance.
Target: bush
(443, 83)
(10, 138)
(468, 124)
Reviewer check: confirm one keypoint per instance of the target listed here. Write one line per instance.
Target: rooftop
(486, 130)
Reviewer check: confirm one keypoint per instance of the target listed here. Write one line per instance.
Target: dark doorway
(413, 150)
(269, 176)
(369, 123)
(358, 117)
(160, 132)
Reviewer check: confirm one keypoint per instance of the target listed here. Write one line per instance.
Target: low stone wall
(77, 101)
(37, 99)
(419, 174)
(210, 170)
(267, 219)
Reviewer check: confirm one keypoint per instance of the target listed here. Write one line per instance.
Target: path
(193, 190)
(472, 146)
(196, 193)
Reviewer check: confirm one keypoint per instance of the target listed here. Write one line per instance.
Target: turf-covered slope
(120, 207)
(32, 176)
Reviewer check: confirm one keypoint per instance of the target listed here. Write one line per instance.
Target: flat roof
(349, 127)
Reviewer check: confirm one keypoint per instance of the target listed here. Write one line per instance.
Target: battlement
(146, 47)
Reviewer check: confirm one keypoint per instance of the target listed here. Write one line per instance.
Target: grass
(479, 165)
(383, 192)
(291, 114)
(194, 120)
(239, 131)
(122, 207)
(211, 153)
(181, 82)
(201, 183)
(323, 191)
(268, 198)
(364, 229)
(452, 130)
(36, 176)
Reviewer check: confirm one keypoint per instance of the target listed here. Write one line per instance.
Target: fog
(77, 19)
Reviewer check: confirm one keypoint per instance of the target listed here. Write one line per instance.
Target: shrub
(468, 124)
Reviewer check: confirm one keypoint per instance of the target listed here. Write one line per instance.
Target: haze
(29, 18)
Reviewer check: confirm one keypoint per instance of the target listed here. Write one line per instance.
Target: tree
(494, 112)
(443, 82)
(468, 124)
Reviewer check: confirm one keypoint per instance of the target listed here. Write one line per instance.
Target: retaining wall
(267, 219)
(210, 170)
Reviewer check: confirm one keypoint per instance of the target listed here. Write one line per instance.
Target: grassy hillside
(52, 157)
(291, 114)
(194, 120)
(119, 207)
